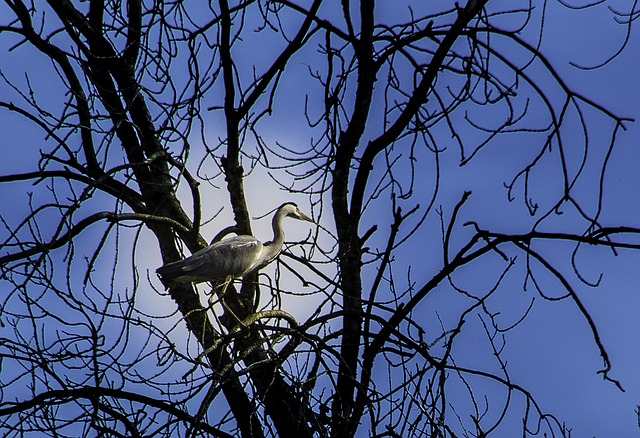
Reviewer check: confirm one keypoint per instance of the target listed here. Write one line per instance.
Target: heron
(231, 258)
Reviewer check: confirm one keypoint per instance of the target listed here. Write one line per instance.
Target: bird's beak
(304, 217)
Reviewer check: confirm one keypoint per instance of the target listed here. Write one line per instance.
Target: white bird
(231, 258)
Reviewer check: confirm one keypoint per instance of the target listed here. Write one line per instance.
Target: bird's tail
(169, 272)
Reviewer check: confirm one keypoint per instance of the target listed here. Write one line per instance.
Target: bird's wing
(235, 256)
(231, 257)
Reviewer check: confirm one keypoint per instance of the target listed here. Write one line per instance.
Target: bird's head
(292, 210)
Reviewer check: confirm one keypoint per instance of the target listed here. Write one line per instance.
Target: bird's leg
(212, 298)
(222, 293)
(212, 301)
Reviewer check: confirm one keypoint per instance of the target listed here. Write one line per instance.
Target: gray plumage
(231, 258)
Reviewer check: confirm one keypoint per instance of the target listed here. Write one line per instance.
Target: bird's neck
(274, 247)
(278, 232)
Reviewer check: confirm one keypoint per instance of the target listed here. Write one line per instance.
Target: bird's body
(231, 258)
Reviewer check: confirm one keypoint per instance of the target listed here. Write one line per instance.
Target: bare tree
(142, 129)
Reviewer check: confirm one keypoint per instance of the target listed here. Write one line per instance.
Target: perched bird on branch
(231, 258)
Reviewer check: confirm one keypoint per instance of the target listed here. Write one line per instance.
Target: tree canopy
(458, 178)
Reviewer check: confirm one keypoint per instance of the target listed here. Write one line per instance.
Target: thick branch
(63, 396)
(76, 229)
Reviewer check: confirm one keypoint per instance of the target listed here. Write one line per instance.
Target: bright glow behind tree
(472, 254)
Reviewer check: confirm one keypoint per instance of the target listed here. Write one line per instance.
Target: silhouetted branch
(64, 396)
(382, 116)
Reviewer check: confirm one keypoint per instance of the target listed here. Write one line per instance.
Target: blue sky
(550, 353)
